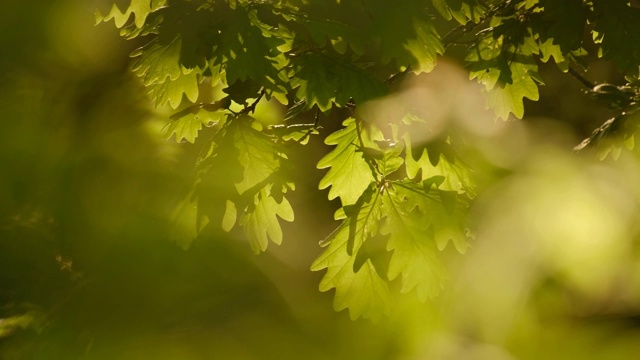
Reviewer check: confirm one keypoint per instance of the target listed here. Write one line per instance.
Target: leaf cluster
(213, 61)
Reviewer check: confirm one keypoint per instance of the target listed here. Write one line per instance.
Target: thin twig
(581, 78)
(393, 78)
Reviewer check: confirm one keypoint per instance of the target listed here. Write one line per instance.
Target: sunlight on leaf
(363, 292)
(260, 223)
(349, 175)
(188, 126)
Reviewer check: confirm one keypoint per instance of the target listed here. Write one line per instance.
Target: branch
(581, 78)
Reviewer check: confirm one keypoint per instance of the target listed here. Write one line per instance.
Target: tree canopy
(423, 127)
(319, 56)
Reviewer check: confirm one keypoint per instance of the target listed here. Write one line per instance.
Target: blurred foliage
(89, 184)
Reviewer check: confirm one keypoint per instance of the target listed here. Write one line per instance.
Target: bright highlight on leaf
(258, 156)
(139, 8)
(349, 175)
(259, 220)
(412, 241)
(362, 290)
(507, 71)
(456, 177)
(158, 62)
(406, 35)
(171, 91)
(188, 126)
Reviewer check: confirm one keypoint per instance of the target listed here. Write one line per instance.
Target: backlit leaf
(158, 62)
(507, 71)
(260, 220)
(456, 176)
(363, 291)
(413, 244)
(139, 8)
(188, 126)
(406, 34)
(171, 91)
(258, 154)
(322, 80)
(349, 175)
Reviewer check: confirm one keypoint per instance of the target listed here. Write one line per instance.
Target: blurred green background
(88, 268)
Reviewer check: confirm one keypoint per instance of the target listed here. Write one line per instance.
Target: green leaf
(241, 182)
(230, 216)
(461, 10)
(406, 34)
(507, 70)
(413, 245)
(322, 79)
(139, 8)
(443, 212)
(457, 176)
(349, 174)
(363, 292)
(259, 220)
(246, 49)
(258, 154)
(563, 22)
(188, 126)
(186, 223)
(158, 62)
(322, 30)
(548, 50)
(197, 25)
(613, 134)
(171, 91)
(262, 191)
(300, 133)
(391, 160)
(616, 29)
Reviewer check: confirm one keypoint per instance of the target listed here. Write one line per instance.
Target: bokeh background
(90, 269)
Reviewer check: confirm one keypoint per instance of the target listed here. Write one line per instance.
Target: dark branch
(581, 78)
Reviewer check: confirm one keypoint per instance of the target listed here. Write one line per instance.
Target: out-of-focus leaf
(461, 10)
(171, 91)
(139, 8)
(188, 126)
(258, 153)
(260, 219)
(158, 62)
(186, 222)
(616, 29)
